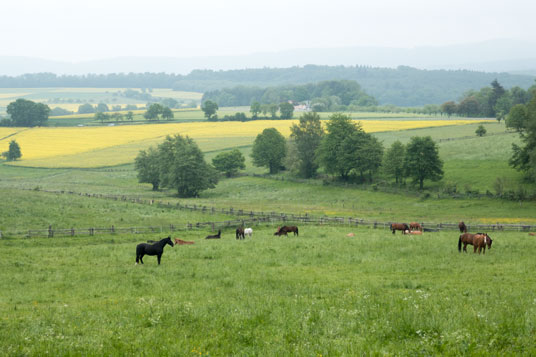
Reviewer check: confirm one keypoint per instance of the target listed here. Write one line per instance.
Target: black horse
(152, 249)
(215, 236)
(240, 233)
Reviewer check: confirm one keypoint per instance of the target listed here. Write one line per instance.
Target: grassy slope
(318, 294)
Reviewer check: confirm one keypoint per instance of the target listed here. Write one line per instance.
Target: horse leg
(465, 247)
(141, 258)
(158, 257)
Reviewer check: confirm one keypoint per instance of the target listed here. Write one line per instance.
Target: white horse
(248, 232)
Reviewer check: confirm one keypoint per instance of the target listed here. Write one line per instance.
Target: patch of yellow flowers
(114, 145)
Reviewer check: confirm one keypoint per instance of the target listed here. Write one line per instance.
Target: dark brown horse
(240, 233)
(152, 249)
(285, 229)
(415, 226)
(214, 236)
(480, 241)
(468, 238)
(462, 227)
(399, 227)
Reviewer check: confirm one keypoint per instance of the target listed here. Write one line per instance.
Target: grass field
(318, 294)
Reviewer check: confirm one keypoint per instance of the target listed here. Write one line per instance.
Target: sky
(73, 30)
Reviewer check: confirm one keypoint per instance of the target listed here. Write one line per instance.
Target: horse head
(488, 240)
(168, 241)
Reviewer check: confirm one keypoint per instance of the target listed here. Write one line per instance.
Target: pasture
(321, 293)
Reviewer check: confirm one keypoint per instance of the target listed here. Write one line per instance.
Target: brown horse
(415, 226)
(468, 238)
(182, 242)
(240, 233)
(285, 229)
(462, 227)
(399, 227)
(480, 241)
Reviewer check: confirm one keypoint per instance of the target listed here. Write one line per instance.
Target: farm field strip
(39, 143)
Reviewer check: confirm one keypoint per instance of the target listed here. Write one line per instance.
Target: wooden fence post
(112, 229)
(72, 232)
(50, 232)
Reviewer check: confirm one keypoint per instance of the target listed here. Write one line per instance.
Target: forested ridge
(403, 86)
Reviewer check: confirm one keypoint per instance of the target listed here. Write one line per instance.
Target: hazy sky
(92, 29)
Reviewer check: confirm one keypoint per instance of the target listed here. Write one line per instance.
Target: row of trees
(285, 109)
(345, 150)
(332, 95)
(492, 102)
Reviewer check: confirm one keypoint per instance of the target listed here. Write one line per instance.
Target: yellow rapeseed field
(107, 146)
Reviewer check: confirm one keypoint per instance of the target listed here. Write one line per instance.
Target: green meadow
(320, 293)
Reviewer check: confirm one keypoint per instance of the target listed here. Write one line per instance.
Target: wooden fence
(247, 217)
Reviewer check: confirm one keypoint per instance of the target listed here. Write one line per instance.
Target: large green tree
(422, 160)
(209, 108)
(229, 162)
(269, 150)
(13, 152)
(393, 161)
(307, 136)
(523, 119)
(255, 109)
(182, 166)
(287, 110)
(148, 166)
(346, 149)
(27, 113)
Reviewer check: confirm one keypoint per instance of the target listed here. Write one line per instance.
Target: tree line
(333, 95)
(401, 86)
(343, 150)
(492, 101)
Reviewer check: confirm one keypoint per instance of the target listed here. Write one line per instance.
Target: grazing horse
(248, 231)
(480, 241)
(182, 242)
(399, 227)
(415, 226)
(462, 227)
(468, 238)
(285, 229)
(215, 236)
(152, 249)
(240, 233)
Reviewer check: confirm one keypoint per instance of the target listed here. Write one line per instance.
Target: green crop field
(321, 293)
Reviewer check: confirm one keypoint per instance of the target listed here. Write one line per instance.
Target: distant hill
(500, 55)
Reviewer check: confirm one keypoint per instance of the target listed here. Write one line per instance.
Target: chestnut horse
(182, 242)
(285, 229)
(462, 227)
(415, 226)
(480, 241)
(468, 238)
(399, 227)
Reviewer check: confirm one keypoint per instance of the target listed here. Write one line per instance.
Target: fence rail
(247, 217)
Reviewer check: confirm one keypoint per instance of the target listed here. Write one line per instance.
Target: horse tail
(460, 244)
(297, 231)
